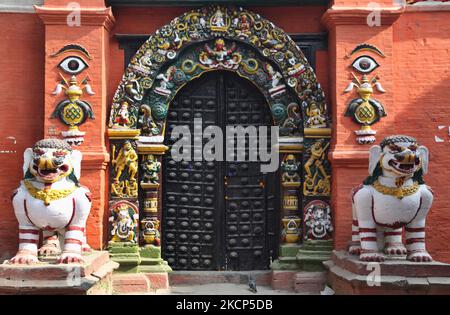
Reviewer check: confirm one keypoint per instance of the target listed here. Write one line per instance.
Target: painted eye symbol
(365, 64)
(73, 65)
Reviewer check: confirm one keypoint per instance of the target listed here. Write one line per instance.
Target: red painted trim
(355, 222)
(392, 233)
(396, 225)
(368, 239)
(415, 240)
(415, 229)
(29, 231)
(75, 228)
(26, 240)
(72, 241)
(367, 230)
(355, 233)
(73, 213)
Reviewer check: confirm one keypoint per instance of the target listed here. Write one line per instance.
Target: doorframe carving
(191, 45)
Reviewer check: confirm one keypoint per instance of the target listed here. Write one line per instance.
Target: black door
(218, 215)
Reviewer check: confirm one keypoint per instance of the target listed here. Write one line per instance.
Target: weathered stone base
(303, 282)
(287, 259)
(262, 277)
(141, 283)
(347, 275)
(94, 277)
(313, 253)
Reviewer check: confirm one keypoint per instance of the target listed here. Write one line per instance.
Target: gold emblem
(398, 192)
(48, 195)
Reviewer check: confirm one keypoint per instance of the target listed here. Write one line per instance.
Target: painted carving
(73, 111)
(150, 167)
(290, 167)
(124, 221)
(150, 231)
(317, 177)
(316, 119)
(211, 34)
(392, 197)
(125, 163)
(318, 221)
(51, 199)
(365, 110)
(291, 229)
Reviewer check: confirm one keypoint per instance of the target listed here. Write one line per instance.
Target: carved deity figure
(220, 55)
(316, 118)
(123, 116)
(393, 197)
(126, 159)
(51, 199)
(147, 124)
(151, 168)
(124, 221)
(290, 168)
(317, 183)
(318, 221)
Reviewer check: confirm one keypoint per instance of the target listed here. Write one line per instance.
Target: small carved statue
(392, 197)
(126, 159)
(319, 182)
(318, 221)
(316, 118)
(51, 199)
(290, 168)
(150, 231)
(123, 116)
(148, 126)
(151, 168)
(124, 222)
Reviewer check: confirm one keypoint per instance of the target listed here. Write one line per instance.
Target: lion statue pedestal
(394, 200)
(50, 202)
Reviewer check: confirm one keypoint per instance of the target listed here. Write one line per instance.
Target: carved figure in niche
(151, 168)
(219, 21)
(165, 84)
(133, 89)
(126, 159)
(290, 168)
(293, 120)
(316, 118)
(147, 124)
(392, 197)
(124, 220)
(51, 199)
(122, 118)
(319, 182)
(117, 188)
(243, 25)
(150, 231)
(318, 221)
(220, 56)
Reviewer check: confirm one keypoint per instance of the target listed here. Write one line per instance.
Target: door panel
(218, 215)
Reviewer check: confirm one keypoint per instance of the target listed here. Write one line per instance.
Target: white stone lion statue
(392, 197)
(50, 199)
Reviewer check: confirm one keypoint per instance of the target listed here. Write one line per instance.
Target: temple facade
(124, 81)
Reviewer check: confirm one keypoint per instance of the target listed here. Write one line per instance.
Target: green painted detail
(285, 263)
(289, 250)
(123, 248)
(151, 251)
(313, 253)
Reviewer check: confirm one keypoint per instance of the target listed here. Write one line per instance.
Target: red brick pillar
(87, 26)
(349, 26)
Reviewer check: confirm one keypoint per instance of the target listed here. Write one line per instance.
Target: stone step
(135, 283)
(262, 277)
(309, 282)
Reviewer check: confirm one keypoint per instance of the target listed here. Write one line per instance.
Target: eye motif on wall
(365, 110)
(73, 111)
(365, 64)
(73, 65)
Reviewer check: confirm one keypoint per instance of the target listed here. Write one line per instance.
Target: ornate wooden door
(219, 215)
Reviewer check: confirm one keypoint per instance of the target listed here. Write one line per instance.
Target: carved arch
(219, 38)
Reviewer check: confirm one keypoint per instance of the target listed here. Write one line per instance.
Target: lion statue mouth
(51, 174)
(403, 168)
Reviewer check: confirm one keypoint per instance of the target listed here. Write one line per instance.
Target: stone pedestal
(93, 277)
(287, 259)
(313, 253)
(126, 254)
(348, 275)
